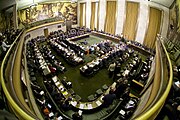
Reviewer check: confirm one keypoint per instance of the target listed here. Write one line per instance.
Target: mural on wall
(60, 10)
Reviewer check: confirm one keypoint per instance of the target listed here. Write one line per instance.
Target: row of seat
(51, 58)
(68, 54)
(48, 109)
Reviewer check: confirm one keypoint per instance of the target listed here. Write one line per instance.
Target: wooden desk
(91, 105)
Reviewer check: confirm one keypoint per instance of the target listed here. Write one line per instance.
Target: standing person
(111, 69)
(108, 99)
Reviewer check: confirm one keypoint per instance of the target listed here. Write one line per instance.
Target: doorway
(46, 32)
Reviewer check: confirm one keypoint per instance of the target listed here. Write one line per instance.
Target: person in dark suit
(66, 105)
(121, 87)
(108, 99)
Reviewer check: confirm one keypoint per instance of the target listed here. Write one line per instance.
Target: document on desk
(41, 93)
(122, 112)
(89, 106)
(81, 106)
(98, 103)
(57, 83)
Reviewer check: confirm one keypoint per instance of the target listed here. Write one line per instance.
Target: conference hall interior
(90, 60)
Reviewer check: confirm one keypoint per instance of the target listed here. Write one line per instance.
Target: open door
(46, 32)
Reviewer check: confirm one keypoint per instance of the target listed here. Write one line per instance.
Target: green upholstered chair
(77, 97)
(99, 92)
(104, 87)
(91, 98)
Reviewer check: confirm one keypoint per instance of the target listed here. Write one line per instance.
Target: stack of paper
(89, 106)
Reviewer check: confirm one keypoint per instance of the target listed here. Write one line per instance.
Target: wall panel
(93, 10)
(82, 19)
(102, 14)
(121, 7)
(110, 21)
(153, 27)
(130, 26)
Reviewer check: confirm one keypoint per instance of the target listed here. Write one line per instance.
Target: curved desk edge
(78, 104)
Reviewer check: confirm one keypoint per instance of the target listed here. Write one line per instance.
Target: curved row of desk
(158, 90)
(78, 104)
